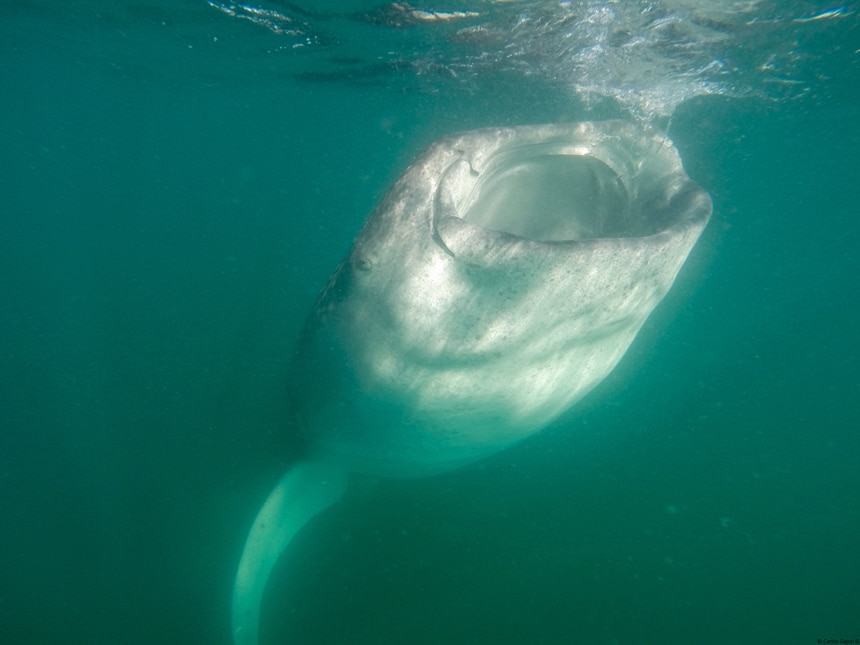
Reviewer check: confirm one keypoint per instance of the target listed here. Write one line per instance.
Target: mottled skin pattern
(445, 341)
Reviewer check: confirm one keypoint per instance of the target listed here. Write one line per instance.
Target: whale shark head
(501, 278)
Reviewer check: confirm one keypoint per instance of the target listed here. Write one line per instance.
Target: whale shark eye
(362, 263)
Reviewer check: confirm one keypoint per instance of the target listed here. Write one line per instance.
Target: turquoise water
(177, 185)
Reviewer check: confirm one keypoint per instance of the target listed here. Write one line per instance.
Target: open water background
(174, 193)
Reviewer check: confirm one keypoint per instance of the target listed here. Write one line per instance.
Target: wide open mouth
(546, 194)
(553, 197)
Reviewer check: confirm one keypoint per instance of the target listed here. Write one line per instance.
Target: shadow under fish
(502, 277)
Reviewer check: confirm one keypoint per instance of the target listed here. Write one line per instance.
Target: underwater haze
(179, 179)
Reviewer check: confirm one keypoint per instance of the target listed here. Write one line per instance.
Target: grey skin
(502, 277)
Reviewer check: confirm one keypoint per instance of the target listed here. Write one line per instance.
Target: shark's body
(503, 276)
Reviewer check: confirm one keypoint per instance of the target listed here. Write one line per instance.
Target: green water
(173, 197)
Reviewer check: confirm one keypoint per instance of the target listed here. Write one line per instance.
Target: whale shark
(500, 279)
